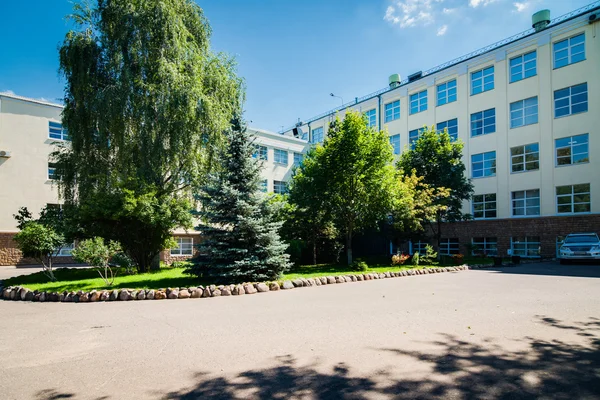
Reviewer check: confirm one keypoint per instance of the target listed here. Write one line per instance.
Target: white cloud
(521, 6)
(477, 3)
(442, 30)
(8, 92)
(409, 13)
(449, 10)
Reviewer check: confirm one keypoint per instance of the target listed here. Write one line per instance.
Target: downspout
(379, 112)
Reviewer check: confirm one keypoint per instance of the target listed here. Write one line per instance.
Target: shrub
(458, 258)
(359, 266)
(415, 258)
(399, 259)
(429, 256)
(40, 242)
(181, 264)
(98, 254)
(122, 260)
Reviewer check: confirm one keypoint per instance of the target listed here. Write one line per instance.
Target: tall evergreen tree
(238, 222)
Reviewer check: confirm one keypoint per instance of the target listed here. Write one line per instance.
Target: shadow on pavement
(580, 269)
(461, 369)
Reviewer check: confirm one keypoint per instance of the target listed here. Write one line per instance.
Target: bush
(415, 258)
(98, 254)
(399, 259)
(40, 242)
(429, 256)
(122, 260)
(359, 266)
(181, 264)
(458, 258)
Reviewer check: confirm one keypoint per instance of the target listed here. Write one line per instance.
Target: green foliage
(415, 260)
(359, 266)
(40, 242)
(96, 253)
(239, 224)
(122, 260)
(430, 255)
(181, 264)
(146, 102)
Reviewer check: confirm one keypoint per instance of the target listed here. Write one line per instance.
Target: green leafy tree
(97, 254)
(239, 224)
(146, 102)
(41, 243)
(438, 161)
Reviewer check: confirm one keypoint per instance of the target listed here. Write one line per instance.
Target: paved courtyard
(526, 332)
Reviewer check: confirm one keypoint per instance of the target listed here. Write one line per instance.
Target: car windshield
(582, 239)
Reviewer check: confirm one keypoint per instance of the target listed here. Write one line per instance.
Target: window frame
(371, 117)
(279, 152)
(527, 241)
(51, 173)
(320, 133)
(523, 112)
(483, 162)
(282, 184)
(395, 146)
(482, 78)
(57, 129)
(572, 196)
(259, 154)
(454, 135)
(524, 156)
(65, 251)
(482, 120)
(571, 153)
(570, 97)
(524, 200)
(411, 140)
(485, 243)
(484, 202)
(263, 185)
(569, 49)
(449, 246)
(417, 102)
(522, 66)
(446, 92)
(179, 249)
(394, 108)
(298, 158)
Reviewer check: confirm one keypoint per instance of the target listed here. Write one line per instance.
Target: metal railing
(555, 21)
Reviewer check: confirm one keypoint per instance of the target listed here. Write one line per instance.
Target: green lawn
(73, 279)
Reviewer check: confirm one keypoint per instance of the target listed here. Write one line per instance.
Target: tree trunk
(155, 263)
(439, 235)
(349, 248)
(314, 252)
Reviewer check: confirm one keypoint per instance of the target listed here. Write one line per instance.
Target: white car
(580, 246)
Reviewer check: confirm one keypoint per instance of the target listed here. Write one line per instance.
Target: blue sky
(292, 54)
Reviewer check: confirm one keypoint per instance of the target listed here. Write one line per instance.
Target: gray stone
(323, 280)
(104, 296)
(262, 287)
(273, 286)
(206, 292)
(359, 278)
(287, 285)
(141, 295)
(311, 282)
(43, 297)
(340, 279)
(196, 293)
(160, 295)
(23, 292)
(28, 296)
(36, 297)
(133, 295)
(249, 288)
(216, 292)
(84, 297)
(226, 291)
(298, 283)
(330, 280)
(124, 295)
(94, 296)
(184, 294)
(114, 295)
(238, 290)
(317, 282)
(305, 282)
(173, 294)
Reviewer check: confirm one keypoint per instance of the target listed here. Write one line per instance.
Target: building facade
(29, 130)
(526, 109)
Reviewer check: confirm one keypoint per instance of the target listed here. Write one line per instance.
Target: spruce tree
(240, 231)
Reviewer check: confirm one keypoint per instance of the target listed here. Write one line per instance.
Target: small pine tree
(240, 230)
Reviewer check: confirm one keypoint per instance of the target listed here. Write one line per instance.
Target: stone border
(24, 294)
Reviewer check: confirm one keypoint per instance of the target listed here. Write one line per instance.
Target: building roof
(30, 100)
(277, 136)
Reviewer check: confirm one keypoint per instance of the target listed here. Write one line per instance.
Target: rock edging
(19, 293)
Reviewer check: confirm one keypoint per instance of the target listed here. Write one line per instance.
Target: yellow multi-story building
(527, 109)
(29, 130)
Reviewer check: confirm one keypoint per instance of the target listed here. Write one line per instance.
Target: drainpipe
(379, 112)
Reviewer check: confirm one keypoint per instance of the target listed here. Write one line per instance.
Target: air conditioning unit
(4, 154)
(594, 17)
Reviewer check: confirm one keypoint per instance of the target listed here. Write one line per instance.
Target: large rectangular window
(528, 246)
(483, 164)
(449, 246)
(482, 80)
(184, 247)
(392, 111)
(484, 206)
(56, 131)
(487, 246)
(52, 171)
(451, 125)
(298, 157)
(260, 152)
(418, 102)
(279, 187)
(65, 250)
(525, 158)
(395, 142)
(526, 202)
(524, 112)
(483, 122)
(523, 66)
(572, 150)
(280, 156)
(571, 100)
(317, 135)
(413, 136)
(569, 51)
(446, 92)
(573, 198)
(371, 118)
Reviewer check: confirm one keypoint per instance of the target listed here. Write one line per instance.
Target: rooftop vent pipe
(394, 81)
(540, 20)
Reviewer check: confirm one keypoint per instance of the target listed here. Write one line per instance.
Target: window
(571, 100)
(446, 92)
(569, 51)
(264, 185)
(484, 206)
(572, 150)
(279, 187)
(483, 164)
(526, 202)
(523, 66)
(395, 142)
(56, 131)
(524, 112)
(317, 135)
(413, 136)
(280, 156)
(451, 125)
(260, 152)
(525, 158)
(419, 246)
(573, 198)
(418, 102)
(528, 246)
(52, 171)
(486, 246)
(482, 80)
(483, 122)
(184, 247)
(371, 118)
(65, 251)
(392, 111)
(298, 157)
(449, 246)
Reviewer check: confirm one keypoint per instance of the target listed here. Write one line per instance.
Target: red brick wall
(11, 255)
(547, 228)
(167, 258)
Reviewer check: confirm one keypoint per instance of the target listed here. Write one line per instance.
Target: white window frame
(521, 203)
(522, 110)
(261, 152)
(279, 187)
(65, 251)
(571, 50)
(440, 126)
(519, 67)
(488, 245)
(280, 157)
(412, 140)
(449, 246)
(371, 117)
(569, 100)
(392, 111)
(395, 142)
(572, 196)
(298, 158)
(179, 250)
(56, 131)
(575, 143)
(52, 175)
(521, 159)
(446, 92)
(419, 246)
(526, 246)
(480, 81)
(418, 102)
(317, 135)
(485, 158)
(488, 205)
(479, 118)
